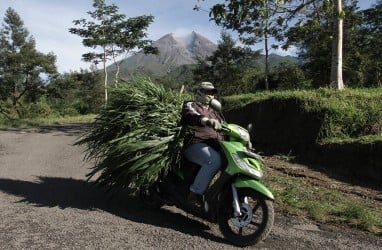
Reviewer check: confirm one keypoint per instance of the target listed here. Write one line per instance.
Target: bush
(37, 110)
(69, 111)
(351, 113)
(289, 76)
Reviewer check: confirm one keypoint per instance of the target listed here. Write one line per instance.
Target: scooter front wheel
(149, 198)
(255, 222)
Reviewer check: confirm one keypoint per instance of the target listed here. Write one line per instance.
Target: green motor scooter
(236, 200)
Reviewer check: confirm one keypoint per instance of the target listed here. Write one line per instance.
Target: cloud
(292, 51)
(48, 22)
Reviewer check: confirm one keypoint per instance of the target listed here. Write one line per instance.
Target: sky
(48, 21)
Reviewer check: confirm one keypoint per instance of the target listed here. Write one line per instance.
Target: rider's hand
(213, 123)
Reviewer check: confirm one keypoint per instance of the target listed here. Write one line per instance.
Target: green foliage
(111, 31)
(361, 216)
(351, 113)
(255, 21)
(296, 196)
(239, 101)
(31, 110)
(181, 75)
(43, 121)
(113, 34)
(23, 70)
(38, 109)
(137, 138)
(76, 93)
(313, 36)
(228, 67)
(289, 76)
(370, 44)
(361, 140)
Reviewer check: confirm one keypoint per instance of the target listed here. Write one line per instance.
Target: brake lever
(223, 130)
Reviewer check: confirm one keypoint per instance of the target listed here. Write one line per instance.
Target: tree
(370, 43)
(336, 16)
(23, 70)
(258, 19)
(76, 92)
(313, 36)
(113, 34)
(353, 57)
(288, 75)
(226, 67)
(336, 80)
(255, 21)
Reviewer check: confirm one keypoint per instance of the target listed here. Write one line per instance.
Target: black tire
(251, 227)
(149, 198)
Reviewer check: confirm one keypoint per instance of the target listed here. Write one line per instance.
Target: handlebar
(223, 130)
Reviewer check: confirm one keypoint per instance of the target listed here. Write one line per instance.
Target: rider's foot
(195, 200)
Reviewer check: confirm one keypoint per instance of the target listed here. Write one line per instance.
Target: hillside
(177, 55)
(174, 51)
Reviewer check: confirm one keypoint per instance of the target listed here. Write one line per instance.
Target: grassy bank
(340, 130)
(330, 122)
(350, 113)
(300, 197)
(41, 121)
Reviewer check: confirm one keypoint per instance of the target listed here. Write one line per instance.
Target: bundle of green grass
(137, 138)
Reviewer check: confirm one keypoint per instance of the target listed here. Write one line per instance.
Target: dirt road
(46, 203)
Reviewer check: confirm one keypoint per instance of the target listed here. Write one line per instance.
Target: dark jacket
(192, 114)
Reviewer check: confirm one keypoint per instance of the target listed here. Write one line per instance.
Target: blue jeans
(210, 162)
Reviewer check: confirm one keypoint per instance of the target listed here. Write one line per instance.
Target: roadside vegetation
(345, 115)
(33, 93)
(351, 118)
(300, 196)
(44, 121)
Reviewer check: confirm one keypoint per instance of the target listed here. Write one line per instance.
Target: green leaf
(137, 138)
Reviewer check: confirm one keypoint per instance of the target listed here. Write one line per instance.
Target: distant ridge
(174, 51)
(177, 55)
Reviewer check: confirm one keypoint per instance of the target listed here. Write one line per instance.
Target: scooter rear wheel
(255, 222)
(148, 196)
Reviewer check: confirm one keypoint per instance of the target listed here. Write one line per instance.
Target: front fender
(247, 182)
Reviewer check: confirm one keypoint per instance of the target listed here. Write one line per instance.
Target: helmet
(207, 88)
(205, 92)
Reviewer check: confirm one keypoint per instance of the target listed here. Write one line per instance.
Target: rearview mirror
(250, 127)
(216, 105)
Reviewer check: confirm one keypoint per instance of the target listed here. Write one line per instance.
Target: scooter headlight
(254, 155)
(247, 168)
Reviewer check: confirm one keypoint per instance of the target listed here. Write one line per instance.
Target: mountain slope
(174, 51)
(177, 56)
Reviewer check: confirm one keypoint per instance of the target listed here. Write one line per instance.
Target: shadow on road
(72, 193)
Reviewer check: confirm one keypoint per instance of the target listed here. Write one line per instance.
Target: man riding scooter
(237, 201)
(203, 146)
